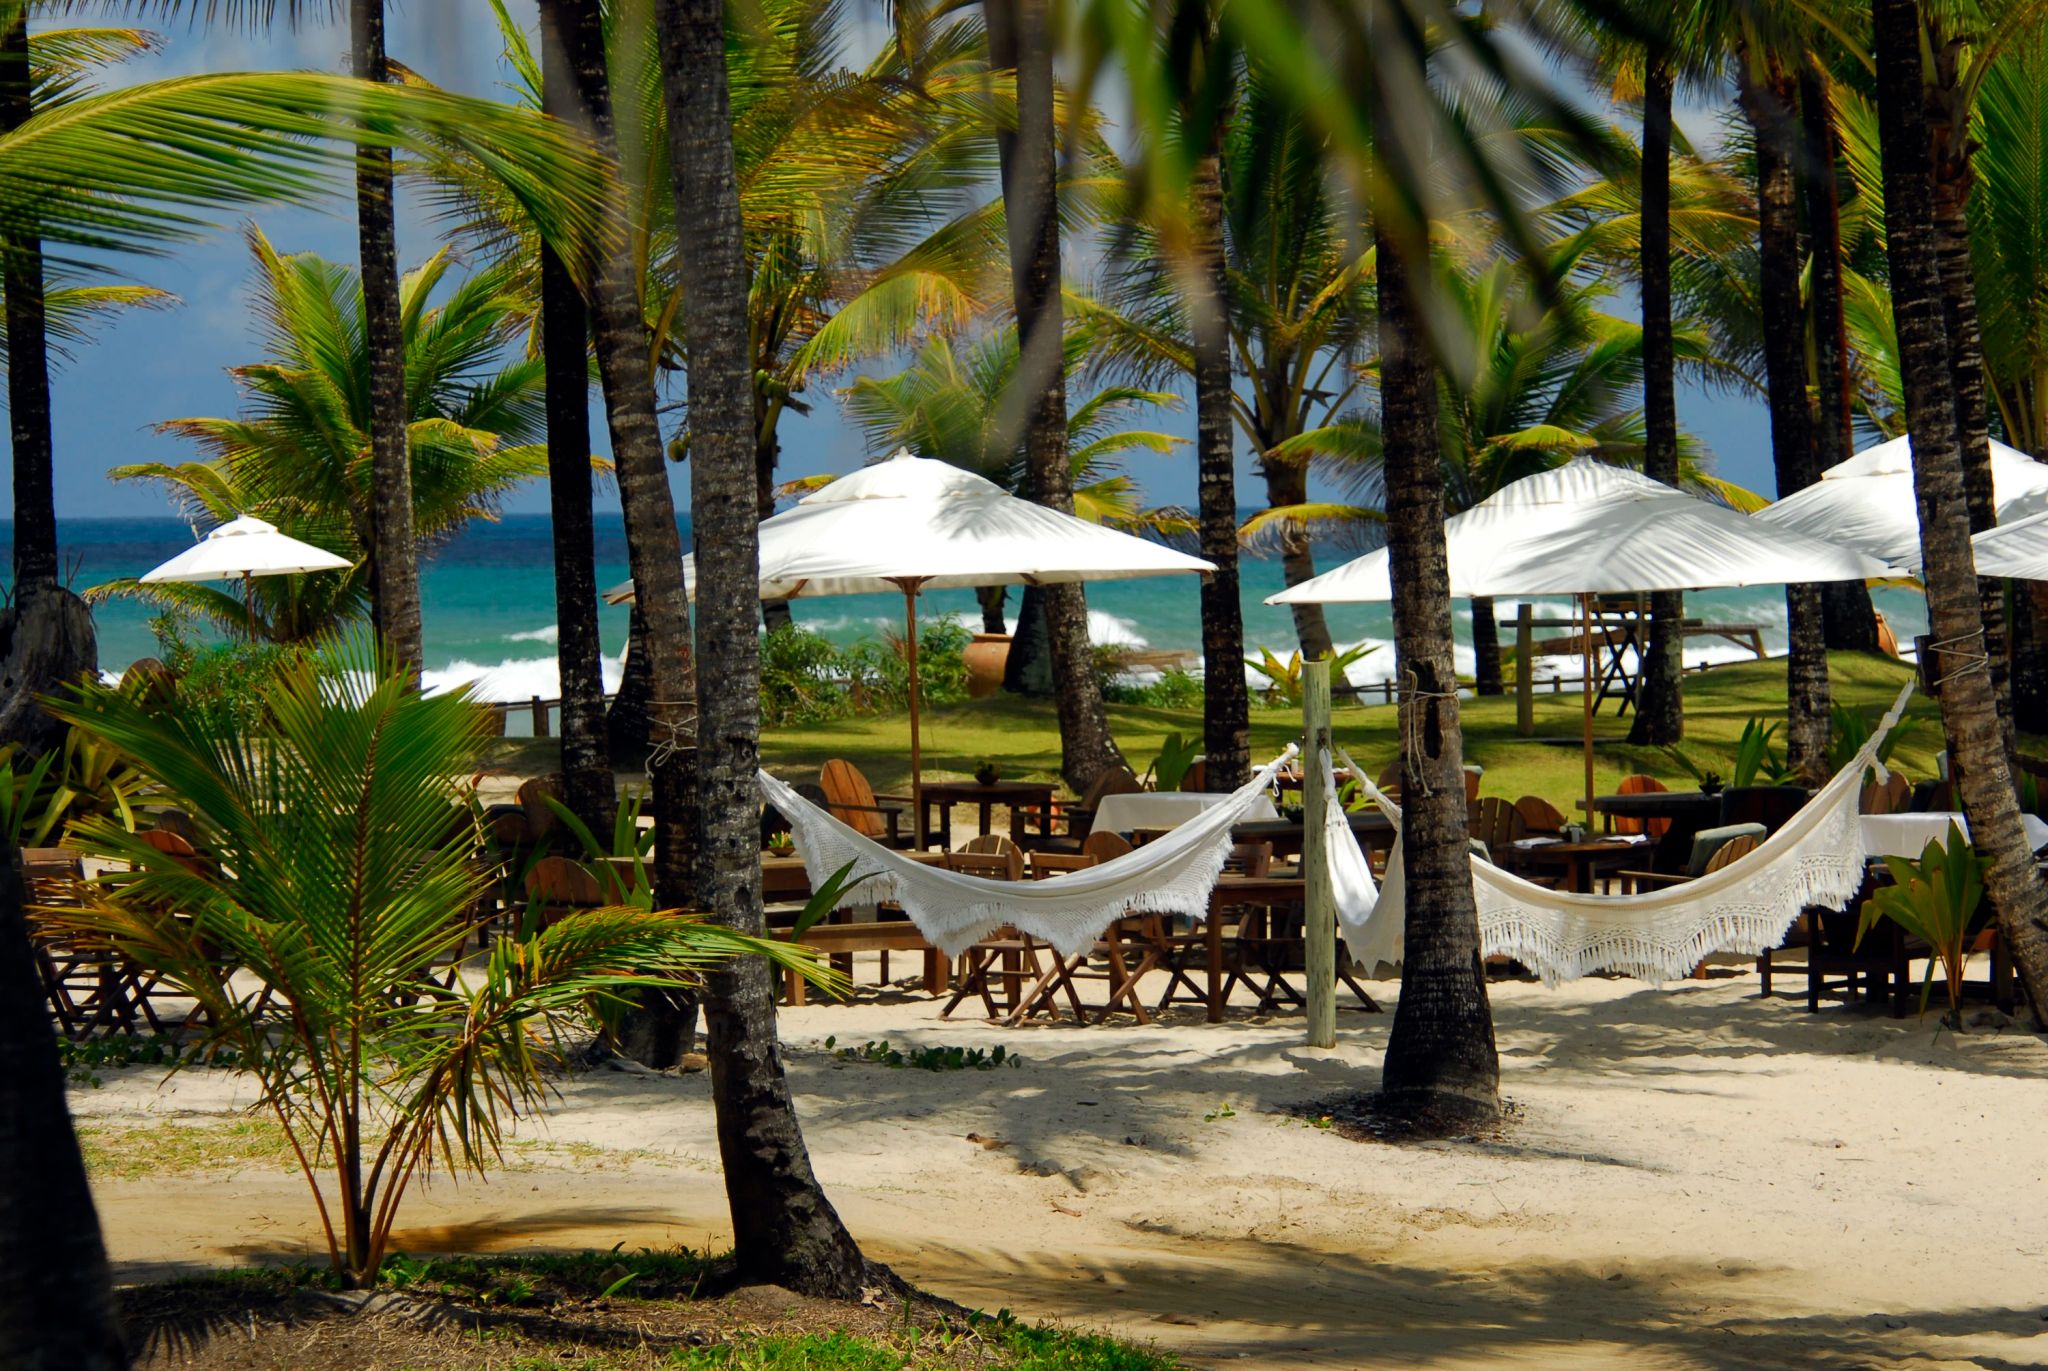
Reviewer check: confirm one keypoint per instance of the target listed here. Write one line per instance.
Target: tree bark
(57, 1303)
(1949, 119)
(587, 782)
(1226, 700)
(1486, 672)
(654, 549)
(1660, 694)
(785, 1232)
(1441, 1066)
(1287, 484)
(1978, 760)
(626, 726)
(1849, 621)
(1020, 40)
(1769, 109)
(394, 551)
(46, 634)
(991, 599)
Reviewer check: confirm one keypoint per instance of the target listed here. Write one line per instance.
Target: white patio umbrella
(1867, 502)
(2018, 549)
(909, 524)
(242, 549)
(1587, 528)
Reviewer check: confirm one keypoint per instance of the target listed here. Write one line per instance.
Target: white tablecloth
(1150, 809)
(1907, 835)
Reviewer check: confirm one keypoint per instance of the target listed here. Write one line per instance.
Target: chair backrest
(175, 847)
(1708, 842)
(179, 822)
(1044, 864)
(1495, 822)
(1890, 798)
(1471, 784)
(1390, 775)
(533, 796)
(1249, 859)
(1732, 850)
(850, 798)
(1640, 785)
(558, 881)
(1105, 846)
(1196, 777)
(996, 845)
(1769, 805)
(1118, 780)
(993, 866)
(1539, 815)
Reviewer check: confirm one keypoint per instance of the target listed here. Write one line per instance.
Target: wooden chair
(1196, 777)
(1712, 849)
(996, 845)
(1892, 797)
(1105, 847)
(1045, 865)
(542, 823)
(1540, 816)
(1006, 957)
(1190, 948)
(1499, 825)
(1624, 823)
(854, 803)
(557, 887)
(1770, 805)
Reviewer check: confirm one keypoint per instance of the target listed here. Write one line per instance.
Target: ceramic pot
(986, 657)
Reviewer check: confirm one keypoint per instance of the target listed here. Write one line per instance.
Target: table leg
(987, 816)
(1212, 934)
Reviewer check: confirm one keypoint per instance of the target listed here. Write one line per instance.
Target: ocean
(488, 601)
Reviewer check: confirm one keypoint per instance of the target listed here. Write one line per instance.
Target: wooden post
(540, 718)
(1319, 904)
(1525, 670)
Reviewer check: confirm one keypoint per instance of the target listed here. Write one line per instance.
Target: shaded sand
(1698, 1179)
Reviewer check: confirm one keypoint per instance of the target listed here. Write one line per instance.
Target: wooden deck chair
(541, 821)
(1499, 825)
(1006, 958)
(1540, 816)
(1067, 830)
(854, 803)
(557, 887)
(1890, 798)
(998, 845)
(1640, 785)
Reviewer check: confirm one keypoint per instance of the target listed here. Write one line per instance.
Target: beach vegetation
(929, 1058)
(338, 880)
(1934, 898)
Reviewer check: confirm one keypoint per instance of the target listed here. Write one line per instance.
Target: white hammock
(1815, 859)
(1172, 874)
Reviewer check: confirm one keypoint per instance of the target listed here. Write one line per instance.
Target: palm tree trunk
(57, 1303)
(1441, 1069)
(1952, 178)
(1486, 672)
(1768, 106)
(1848, 618)
(1660, 694)
(46, 634)
(1287, 484)
(587, 784)
(626, 725)
(1020, 40)
(1969, 713)
(1226, 701)
(991, 599)
(661, 1031)
(767, 454)
(394, 551)
(785, 1231)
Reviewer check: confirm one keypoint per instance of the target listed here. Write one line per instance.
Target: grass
(1022, 736)
(172, 1149)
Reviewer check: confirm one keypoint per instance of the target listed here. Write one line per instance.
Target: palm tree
(302, 455)
(1969, 711)
(587, 784)
(1020, 40)
(1768, 94)
(1542, 376)
(785, 1230)
(661, 1031)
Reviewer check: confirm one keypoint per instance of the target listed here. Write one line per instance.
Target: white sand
(1699, 1179)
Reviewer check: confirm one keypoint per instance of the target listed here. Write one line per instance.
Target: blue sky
(172, 363)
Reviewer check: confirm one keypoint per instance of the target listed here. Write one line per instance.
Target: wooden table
(1374, 831)
(1583, 861)
(1020, 796)
(787, 878)
(1688, 810)
(1231, 892)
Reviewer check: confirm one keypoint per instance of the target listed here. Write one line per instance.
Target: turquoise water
(488, 601)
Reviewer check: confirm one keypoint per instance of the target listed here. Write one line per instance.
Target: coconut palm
(1969, 711)
(1549, 377)
(302, 454)
(785, 1230)
(343, 884)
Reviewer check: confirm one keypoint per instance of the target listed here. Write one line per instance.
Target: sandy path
(1699, 1179)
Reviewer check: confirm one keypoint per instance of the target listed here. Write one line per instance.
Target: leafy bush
(221, 683)
(806, 679)
(1284, 678)
(1175, 689)
(1933, 899)
(803, 678)
(926, 1058)
(879, 673)
(1851, 730)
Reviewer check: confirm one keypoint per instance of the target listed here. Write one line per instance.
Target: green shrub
(803, 678)
(1175, 689)
(220, 683)
(878, 674)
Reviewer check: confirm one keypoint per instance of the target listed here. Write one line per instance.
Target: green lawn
(1022, 736)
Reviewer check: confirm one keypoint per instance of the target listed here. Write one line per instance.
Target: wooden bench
(848, 938)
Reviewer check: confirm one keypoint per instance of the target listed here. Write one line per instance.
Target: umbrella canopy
(1587, 528)
(913, 522)
(1867, 502)
(2018, 550)
(242, 548)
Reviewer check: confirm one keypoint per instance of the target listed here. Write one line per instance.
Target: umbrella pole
(916, 751)
(249, 605)
(1586, 697)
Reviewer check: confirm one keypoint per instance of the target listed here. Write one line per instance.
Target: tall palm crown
(299, 454)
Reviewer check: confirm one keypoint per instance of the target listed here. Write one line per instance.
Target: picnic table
(1023, 797)
(1584, 862)
(1164, 809)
